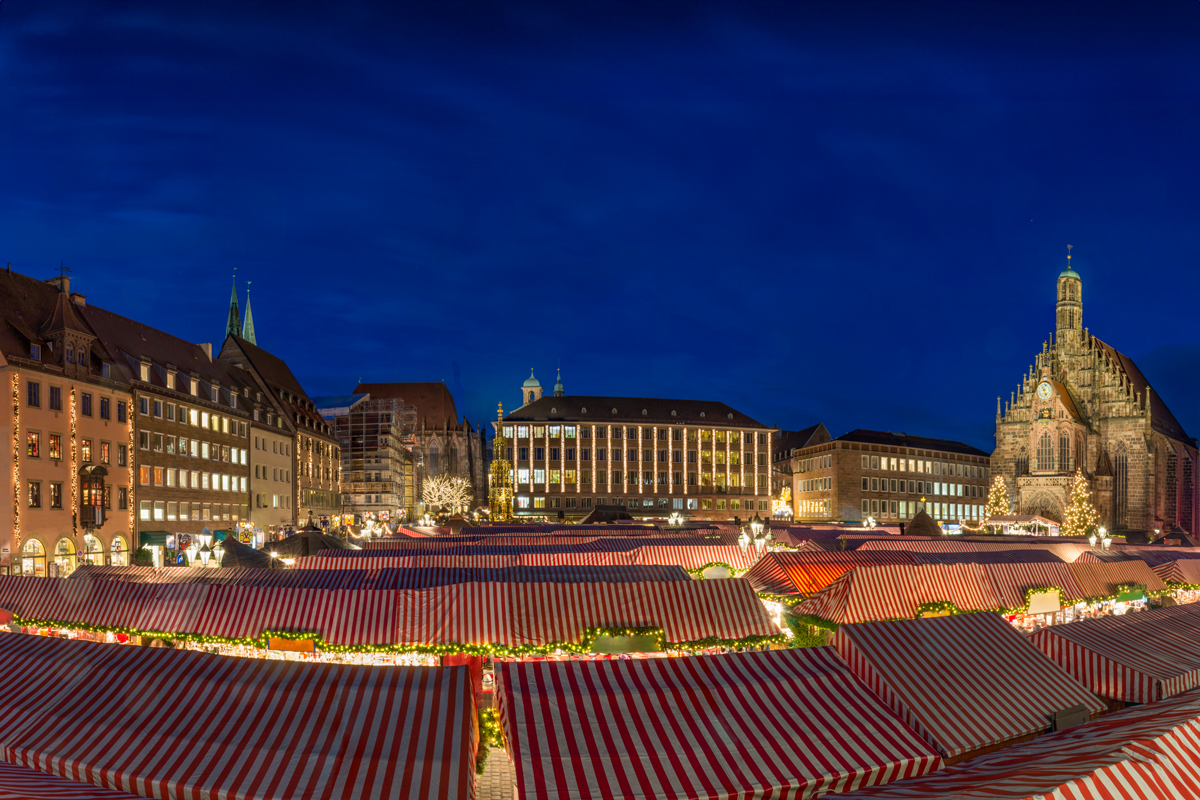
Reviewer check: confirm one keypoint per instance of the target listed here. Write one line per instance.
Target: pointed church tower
(248, 326)
(559, 391)
(1069, 311)
(531, 390)
(234, 326)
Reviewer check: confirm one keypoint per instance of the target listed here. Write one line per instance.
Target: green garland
(583, 647)
(489, 727)
(699, 572)
(784, 599)
(1187, 587)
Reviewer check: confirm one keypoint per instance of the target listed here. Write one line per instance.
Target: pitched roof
(905, 440)
(64, 317)
(630, 409)
(275, 373)
(28, 309)
(434, 403)
(796, 440)
(129, 340)
(1161, 418)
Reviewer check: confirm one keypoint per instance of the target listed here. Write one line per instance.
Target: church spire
(248, 325)
(559, 391)
(234, 326)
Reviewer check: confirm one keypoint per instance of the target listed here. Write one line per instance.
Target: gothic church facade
(1085, 405)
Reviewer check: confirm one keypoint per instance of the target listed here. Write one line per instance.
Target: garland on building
(16, 454)
(1081, 518)
(998, 504)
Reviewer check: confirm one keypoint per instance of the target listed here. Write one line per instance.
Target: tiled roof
(434, 403)
(905, 440)
(30, 308)
(630, 409)
(1161, 418)
(787, 441)
(276, 374)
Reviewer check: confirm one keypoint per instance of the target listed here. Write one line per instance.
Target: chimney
(79, 299)
(207, 348)
(61, 282)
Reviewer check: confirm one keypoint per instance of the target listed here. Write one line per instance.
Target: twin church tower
(237, 326)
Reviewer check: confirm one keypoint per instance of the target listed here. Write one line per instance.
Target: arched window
(120, 552)
(1080, 457)
(1064, 452)
(1070, 319)
(1187, 490)
(93, 551)
(531, 397)
(1022, 463)
(33, 558)
(435, 467)
(1045, 453)
(1121, 489)
(64, 557)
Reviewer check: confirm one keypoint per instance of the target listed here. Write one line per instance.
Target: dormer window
(106, 370)
(195, 387)
(35, 352)
(170, 379)
(144, 372)
(70, 355)
(233, 399)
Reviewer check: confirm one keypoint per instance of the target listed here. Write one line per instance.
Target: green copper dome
(531, 382)
(1069, 273)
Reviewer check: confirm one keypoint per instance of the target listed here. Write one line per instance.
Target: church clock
(1044, 391)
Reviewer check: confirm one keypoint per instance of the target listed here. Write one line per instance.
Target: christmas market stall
(1115, 588)
(1133, 658)
(238, 728)
(966, 683)
(1137, 754)
(784, 723)
(1182, 575)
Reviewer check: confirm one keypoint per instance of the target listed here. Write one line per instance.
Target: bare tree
(444, 491)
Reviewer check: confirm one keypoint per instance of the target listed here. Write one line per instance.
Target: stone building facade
(885, 475)
(1083, 405)
(654, 457)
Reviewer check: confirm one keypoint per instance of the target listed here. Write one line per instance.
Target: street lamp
(756, 525)
(218, 551)
(1105, 539)
(744, 541)
(1092, 540)
(675, 520)
(205, 554)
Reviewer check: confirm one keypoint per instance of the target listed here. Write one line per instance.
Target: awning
(784, 723)
(153, 538)
(255, 727)
(965, 682)
(29, 784)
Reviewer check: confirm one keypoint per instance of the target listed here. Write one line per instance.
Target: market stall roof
(922, 525)
(1185, 571)
(238, 555)
(1136, 754)
(803, 573)
(963, 682)
(1100, 581)
(254, 727)
(20, 783)
(783, 723)
(1133, 657)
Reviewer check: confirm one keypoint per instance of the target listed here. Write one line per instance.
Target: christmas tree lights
(997, 502)
(1081, 518)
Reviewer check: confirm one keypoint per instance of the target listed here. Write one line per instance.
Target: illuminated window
(33, 442)
(539, 502)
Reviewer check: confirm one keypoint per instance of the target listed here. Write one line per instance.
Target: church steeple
(234, 326)
(1069, 311)
(559, 391)
(248, 325)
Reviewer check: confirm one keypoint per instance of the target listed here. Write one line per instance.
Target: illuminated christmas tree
(1081, 518)
(997, 501)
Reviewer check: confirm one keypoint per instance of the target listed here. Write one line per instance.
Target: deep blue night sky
(849, 213)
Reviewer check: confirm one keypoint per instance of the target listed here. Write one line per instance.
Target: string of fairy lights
(16, 454)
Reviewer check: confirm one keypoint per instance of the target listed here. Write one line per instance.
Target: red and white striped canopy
(1142, 753)
(1138, 658)
(780, 724)
(19, 783)
(963, 682)
(896, 591)
(234, 727)
(801, 573)
(480, 614)
(1181, 570)
(1103, 580)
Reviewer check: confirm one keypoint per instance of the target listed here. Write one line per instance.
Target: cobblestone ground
(497, 780)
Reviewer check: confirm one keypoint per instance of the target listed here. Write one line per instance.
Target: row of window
(272, 501)
(55, 496)
(181, 446)
(923, 487)
(927, 467)
(646, 478)
(277, 447)
(87, 451)
(814, 508)
(191, 416)
(817, 484)
(260, 472)
(169, 511)
(734, 458)
(815, 463)
(33, 397)
(183, 479)
(629, 432)
(643, 503)
(907, 509)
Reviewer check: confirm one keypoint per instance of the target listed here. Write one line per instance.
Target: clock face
(1044, 390)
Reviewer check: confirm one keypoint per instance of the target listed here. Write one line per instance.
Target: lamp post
(1105, 539)
(675, 520)
(1092, 540)
(744, 541)
(756, 525)
(218, 552)
(205, 554)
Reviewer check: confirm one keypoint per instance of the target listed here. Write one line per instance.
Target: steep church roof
(434, 403)
(1161, 418)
